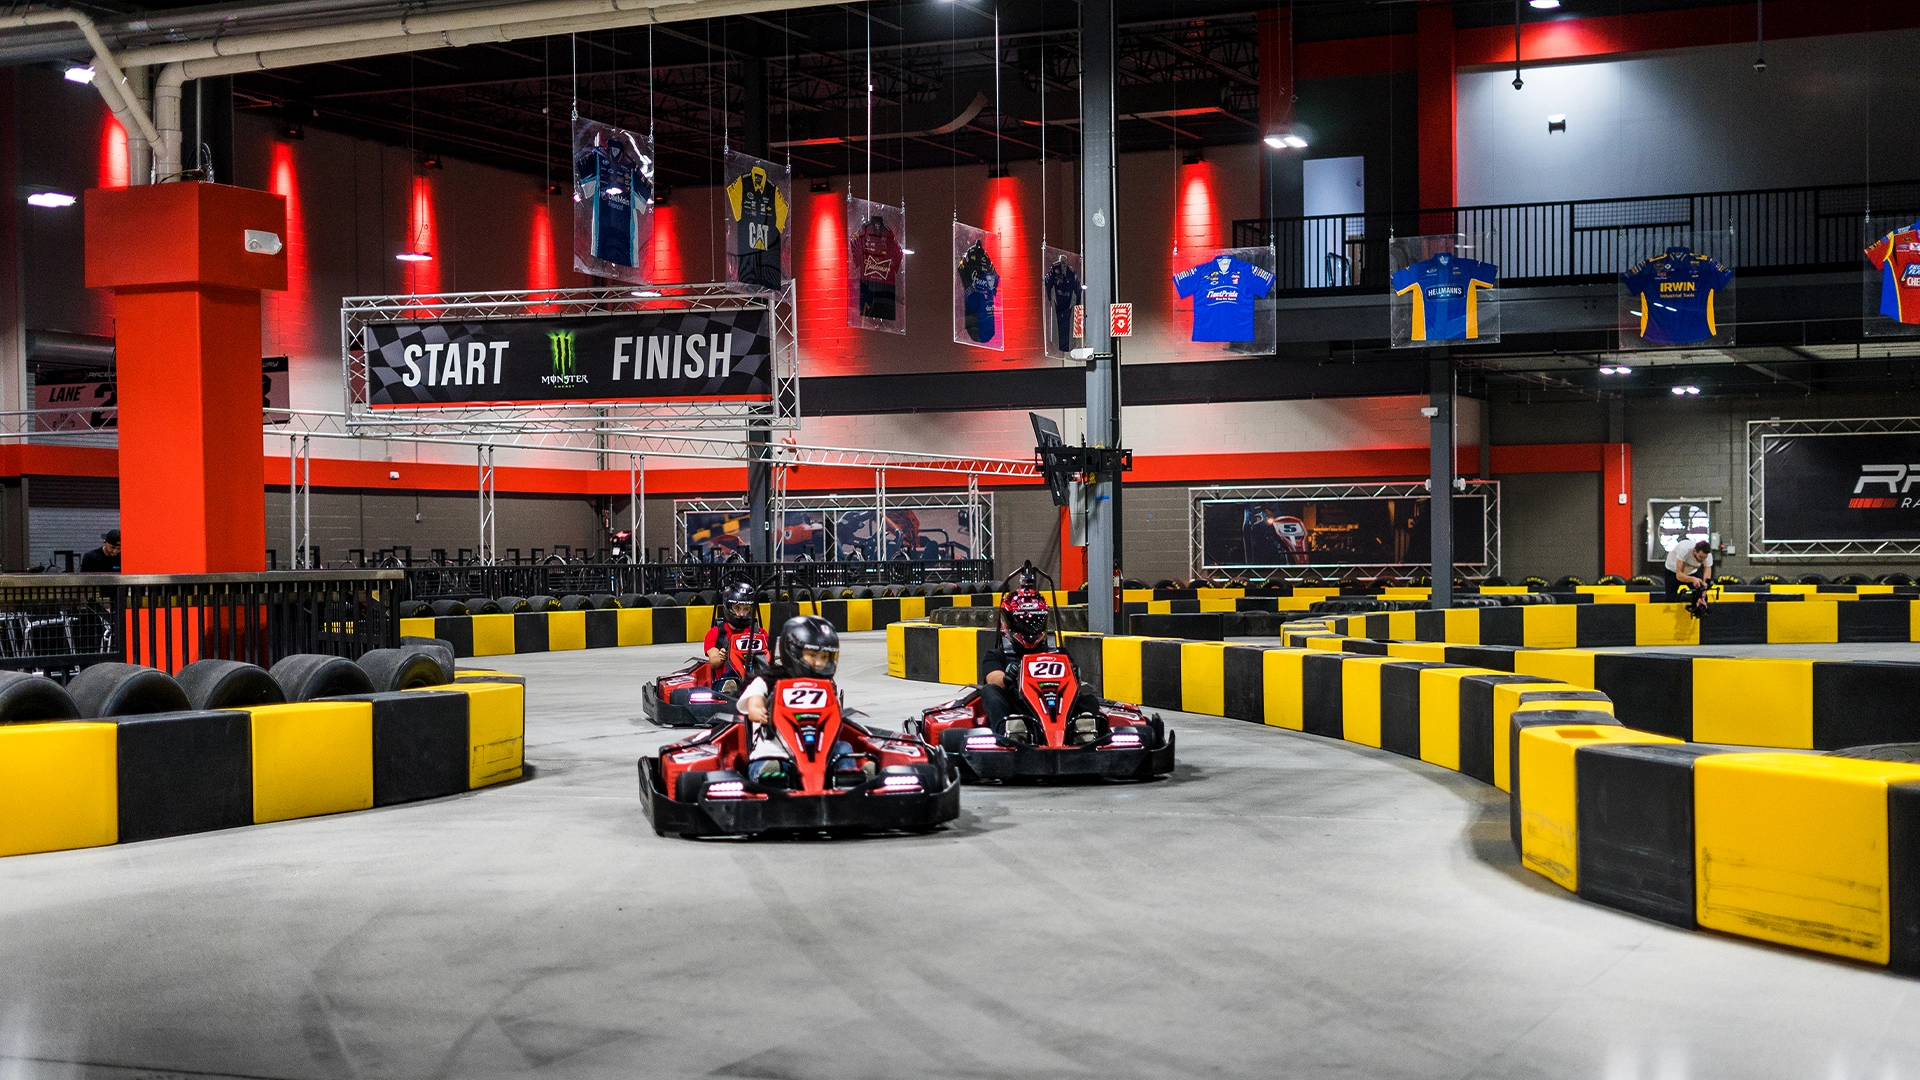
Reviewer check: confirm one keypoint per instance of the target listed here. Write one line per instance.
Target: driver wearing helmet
(809, 648)
(1023, 632)
(740, 623)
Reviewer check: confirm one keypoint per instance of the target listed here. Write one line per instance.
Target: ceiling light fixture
(1681, 391)
(78, 74)
(415, 256)
(50, 199)
(1556, 122)
(1544, 5)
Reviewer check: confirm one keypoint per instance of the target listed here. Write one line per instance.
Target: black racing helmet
(740, 605)
(809, 648)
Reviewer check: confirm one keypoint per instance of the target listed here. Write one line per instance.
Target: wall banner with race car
(1381, 527)
(723, 354)
(921, 527)
(89, 400)
(1839, 486)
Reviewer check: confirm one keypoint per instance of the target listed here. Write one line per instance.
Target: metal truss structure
(606, 423)
(1486, 566)
(1759, 549)
(978, 504)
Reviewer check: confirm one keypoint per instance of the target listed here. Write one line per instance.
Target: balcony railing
(1589, 241)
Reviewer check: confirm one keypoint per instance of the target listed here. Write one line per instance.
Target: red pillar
(187, 346)
(1436, 85)
(1616, 509)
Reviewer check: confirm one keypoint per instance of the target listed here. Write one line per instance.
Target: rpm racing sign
(634, 356)
(1840, 486)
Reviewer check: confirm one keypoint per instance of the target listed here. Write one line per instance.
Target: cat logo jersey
(1898, 257)
(1445, 290)
(1675, 292)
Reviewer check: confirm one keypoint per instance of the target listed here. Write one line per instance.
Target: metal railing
(56, 624)
(619, 579)
(1588, 241)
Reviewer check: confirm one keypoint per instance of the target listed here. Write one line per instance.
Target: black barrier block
(1400, 706)
(1571, 715)
(1876, 620)
(183, 772)
(1256, 603)
(530, 631)
(1243, 668)
(1377, 627)
(1175, 594)
(1503, 626)
(1365, 646)
(939, 602)
(1734, 624)
(1650, 691)
(420, 744)
(1321, 698)
(1430, 625)
(457, 629)
(1599, 626)
(921, 648)
(1903, 877)
(1194, 627)
(1077, 596)
(603, 629)
(1088, 653)
(1491, 657)
(780, 611)
(669, 625)
(1863, 702)
(1634, 815)
(1183, 607)
(1251, 623)
(835, 612)
(1130, 608)
(885, 610)
(1160, 674)
(1476, 721)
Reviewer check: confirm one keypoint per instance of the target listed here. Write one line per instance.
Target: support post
(880, 514)
(486, 552)
(1098, 32)
(1440, 466)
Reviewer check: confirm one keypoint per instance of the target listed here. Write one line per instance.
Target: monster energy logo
(560, 349)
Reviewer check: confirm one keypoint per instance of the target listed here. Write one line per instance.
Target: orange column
(187, 348)
(1437, 92)
(1616, 510)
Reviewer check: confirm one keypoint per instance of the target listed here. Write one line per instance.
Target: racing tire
(228, 684)
(604, 602)
(686, 599)
(26, 698)
(416, 609)
(512, 605)
(125, 690)
(707, 598)
(450, 608)
(311, 676)
(635, 600)
(401, 669)
(542, 603)
(483, 605)
(576, 602)
(438, 648)
(661, 599)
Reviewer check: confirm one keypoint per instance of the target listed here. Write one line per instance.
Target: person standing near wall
(1690, 564)
(104, 559)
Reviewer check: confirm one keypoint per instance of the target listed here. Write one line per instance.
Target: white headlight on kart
(984, 741)
(1124, 740)
(900, 783)
(727, 789)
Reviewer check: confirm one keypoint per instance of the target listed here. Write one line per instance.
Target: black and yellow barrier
(1633, 619)
(74, 784)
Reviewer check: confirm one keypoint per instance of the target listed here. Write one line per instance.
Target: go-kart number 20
(804, 697)
(1046, 669)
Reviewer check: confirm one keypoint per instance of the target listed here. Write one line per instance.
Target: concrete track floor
(1285, 906)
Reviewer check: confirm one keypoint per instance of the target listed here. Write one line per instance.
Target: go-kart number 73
(1046, 669)
(804, 697)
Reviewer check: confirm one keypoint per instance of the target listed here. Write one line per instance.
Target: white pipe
(140, 149)
(107, 76)
(167, 88)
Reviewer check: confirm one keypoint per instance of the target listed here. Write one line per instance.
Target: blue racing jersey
(617, 191)
(1445, 289)
(1674, 296)
(1223, 291)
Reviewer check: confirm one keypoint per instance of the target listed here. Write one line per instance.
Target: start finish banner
(723, 355)
(1840, 487)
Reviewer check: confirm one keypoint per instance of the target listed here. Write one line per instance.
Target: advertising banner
(1840, 487)
(720, 355)
(78, 401)
(612, 201)
(1262, 533)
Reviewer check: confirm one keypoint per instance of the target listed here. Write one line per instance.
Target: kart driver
(742, 617)
(809, 648)
(1023, 632)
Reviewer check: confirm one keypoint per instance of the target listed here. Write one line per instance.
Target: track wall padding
(58, 786)
(1635, 827)
(183, 772)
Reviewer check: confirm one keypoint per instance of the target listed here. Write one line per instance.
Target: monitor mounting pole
(1098, 32)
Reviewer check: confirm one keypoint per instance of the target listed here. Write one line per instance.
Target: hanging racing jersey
(1675, 294)
(758, 205)
(876, 256)
(1063, 293)
(1445, 291)
(1223, 291)
(1897, 256)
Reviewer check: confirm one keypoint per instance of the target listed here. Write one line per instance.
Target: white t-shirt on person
(1681, 559)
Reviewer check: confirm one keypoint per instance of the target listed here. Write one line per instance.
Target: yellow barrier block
(1323, 642)
(913, 607)
(1873, 590)
(1440, 713)
(1568, 665)
(314, 757)
(566, 630)
(493, 635)
(1808, 622)
(1549, 626)
(1549, 816)
(1462, 626)
(1219, 605)
(1664, 624)
(1159, 607)
(1721, 596)
(896, 650)
(1792, 848)
(496, 730)
(959, 658)
(635, 626)
(1317, 592)
(59, 786)
(1203, 679)
(1418, 650)
(1293, 603)
(1204, 595)
(1283, 689)
(1622, 598)
(1751, 702)
(1360, 698)
(1600, 590)
(1796, 589)
(1400, 626)
(700, 620)
(1510, 698)
(859, 615)
(1504, 590)
(417, 627)
(1405, 592)
(1120, 668)
(1136, 596)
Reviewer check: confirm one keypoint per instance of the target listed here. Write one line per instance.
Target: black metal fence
(1588, 241)
(560, 579)
(58, 624)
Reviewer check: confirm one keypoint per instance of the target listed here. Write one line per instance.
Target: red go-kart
(840, 776)
(1114, 740)
(694, 695)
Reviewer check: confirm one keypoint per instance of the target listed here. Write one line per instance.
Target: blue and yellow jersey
(1445, 290)
(1675, 294)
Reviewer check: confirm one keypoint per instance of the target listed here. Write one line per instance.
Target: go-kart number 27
(804, 697)
(1046, 669)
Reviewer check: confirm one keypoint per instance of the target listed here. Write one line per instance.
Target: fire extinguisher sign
(1120, 320)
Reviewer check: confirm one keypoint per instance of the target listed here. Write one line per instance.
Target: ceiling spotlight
(1693, 389)
(432, 161)
(50, 199)
(819, 187)
(1286, 139)
(1623, 371)
(646, 292)
(1543, 5)
(1606, 371)
(1681, 391)
(1556, 122)
(427, 256)
(78, 74)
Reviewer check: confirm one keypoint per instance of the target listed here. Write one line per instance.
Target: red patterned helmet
(1023, 615)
